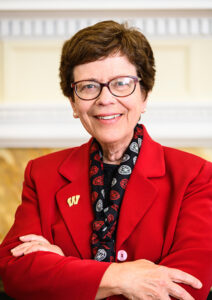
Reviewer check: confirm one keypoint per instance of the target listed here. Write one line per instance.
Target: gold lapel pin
(73, 200)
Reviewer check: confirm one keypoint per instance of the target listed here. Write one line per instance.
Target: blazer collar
(151, 161)
(72, 167)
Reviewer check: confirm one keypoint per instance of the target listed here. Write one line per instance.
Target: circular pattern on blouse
(98, 180)
(100, 255)
(94, 196)
(114, 195)
(114, 180)
(99, 205)
(94, 170)
(134, 147)
(125, 157)
(103, 193)
(110, 218)
(124, 170)
(139, 142)
(123, 183)
(134, 159)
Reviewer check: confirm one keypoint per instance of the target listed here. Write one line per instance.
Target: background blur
(35, 118)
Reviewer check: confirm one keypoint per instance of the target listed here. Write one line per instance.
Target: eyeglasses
(122, 86)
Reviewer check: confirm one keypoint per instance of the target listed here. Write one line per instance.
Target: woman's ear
(144, 105)
(75, 114)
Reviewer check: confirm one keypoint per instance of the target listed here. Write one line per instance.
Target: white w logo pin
(73, 200)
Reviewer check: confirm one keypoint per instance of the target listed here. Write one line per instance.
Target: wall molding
(52, 125)
(65, 27)
(21, 5)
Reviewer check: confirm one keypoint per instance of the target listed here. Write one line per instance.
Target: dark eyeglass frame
(107, 84)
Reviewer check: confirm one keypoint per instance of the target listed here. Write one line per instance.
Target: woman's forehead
(105, 68)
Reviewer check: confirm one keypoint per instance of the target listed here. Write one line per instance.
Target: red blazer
(165, 217)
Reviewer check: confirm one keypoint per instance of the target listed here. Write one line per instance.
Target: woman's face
(127, 110)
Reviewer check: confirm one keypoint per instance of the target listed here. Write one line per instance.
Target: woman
(120, 216)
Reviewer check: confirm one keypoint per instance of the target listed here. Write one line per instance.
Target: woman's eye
(120, 84)
(88, 87)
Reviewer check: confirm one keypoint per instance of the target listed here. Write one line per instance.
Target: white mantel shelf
(53, 5)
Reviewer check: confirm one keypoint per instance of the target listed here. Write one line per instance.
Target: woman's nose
(105, 97)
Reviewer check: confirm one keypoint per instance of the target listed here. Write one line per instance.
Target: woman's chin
(113, 139)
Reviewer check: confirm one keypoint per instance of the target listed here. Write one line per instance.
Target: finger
(178, 292)
(179, 276)
(17, 253)
(20, 247)
(35, 248)
(33, 237)
(26, 244)
(19, 250)
(30, 238)
(43, 247)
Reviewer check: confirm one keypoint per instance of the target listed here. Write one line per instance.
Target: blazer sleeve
(44, 275)
(191, 249)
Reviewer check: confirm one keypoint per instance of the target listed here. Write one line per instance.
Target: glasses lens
(87, 89)
(122, 86)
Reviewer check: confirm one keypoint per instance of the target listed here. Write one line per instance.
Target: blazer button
(122, 255)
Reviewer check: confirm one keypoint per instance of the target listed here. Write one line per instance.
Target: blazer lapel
(140, 192)
(77, 212)
(138, 198)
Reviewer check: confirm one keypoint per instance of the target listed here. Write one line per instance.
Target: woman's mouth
(108, 117)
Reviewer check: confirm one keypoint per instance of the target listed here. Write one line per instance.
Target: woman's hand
(143, 279)
(32, 243)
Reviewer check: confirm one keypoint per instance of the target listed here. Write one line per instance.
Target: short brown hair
(104, 39)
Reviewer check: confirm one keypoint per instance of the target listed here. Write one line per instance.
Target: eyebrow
(94, 79)
(91, 79)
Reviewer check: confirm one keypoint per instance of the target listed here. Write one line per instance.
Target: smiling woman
(111, 118)
(120, 216)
